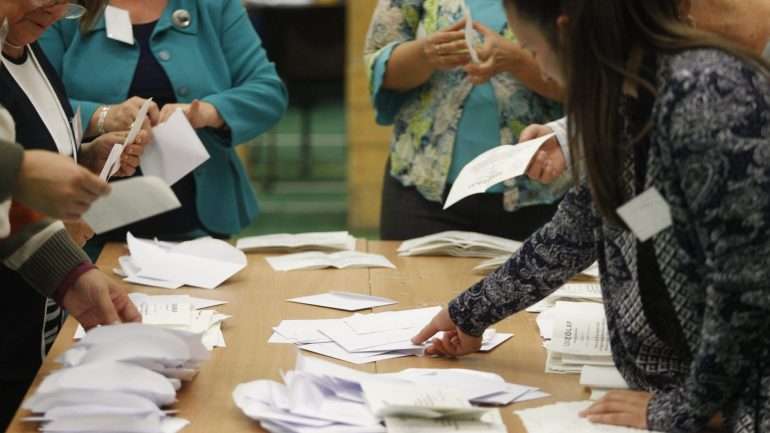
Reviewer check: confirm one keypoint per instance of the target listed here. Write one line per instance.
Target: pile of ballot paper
(321, 397)
(315, 241)
(601, 380)
(364, 338)
(118, 378)
(319, 260)
(204, 263)
(460, 244)
(577, 335)
(564, 417)
(180, 313)
(570, 292)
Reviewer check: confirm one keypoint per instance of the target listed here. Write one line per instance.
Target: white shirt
(32, 80)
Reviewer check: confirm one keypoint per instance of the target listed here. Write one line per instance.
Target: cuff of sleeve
(386, 103)
(48, 268)
(70, 280)
(670, 412)
(462, 314)
(11, 157)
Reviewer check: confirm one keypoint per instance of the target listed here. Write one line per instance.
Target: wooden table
(257, 301)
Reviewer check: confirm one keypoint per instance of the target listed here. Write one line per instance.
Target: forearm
(407, 67)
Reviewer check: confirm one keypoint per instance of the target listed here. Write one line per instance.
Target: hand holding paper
(492, 167)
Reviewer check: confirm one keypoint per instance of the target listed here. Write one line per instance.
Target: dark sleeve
(713, 131)
(548, 259)
(11, 156)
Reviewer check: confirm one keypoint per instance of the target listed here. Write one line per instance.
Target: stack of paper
(460, 244)
(564, 417)
(578, 337)
(318, 241)
(321, 397)
(361, 339)
(180, 313)
(575, 292)
(204, 263)
(601, 380)
(117, 379)
(344, 301)
(318, 260)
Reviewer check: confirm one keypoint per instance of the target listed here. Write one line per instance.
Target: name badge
(118, 23)
(646, 215)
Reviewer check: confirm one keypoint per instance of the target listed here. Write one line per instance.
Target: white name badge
(118, 23)
(646, 215)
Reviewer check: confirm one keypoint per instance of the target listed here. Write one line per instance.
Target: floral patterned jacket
(425, 119)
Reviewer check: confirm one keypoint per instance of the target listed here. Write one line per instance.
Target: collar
(165, 22)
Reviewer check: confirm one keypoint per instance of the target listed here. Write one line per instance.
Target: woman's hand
(200, 114)
(79, 231)
(454, 342)
(94, 154)
(95, 299)
(446, 48)
(549, 162)
(497, 54)
(622, 408)
(120, 117)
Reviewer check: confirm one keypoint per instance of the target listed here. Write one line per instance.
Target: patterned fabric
(425, 119)
(710, 158)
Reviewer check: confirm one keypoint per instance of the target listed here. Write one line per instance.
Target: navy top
(151, 81)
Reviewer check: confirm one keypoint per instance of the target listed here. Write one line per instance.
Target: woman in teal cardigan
(202, 56)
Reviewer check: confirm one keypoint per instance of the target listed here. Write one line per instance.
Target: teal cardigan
(218, 58)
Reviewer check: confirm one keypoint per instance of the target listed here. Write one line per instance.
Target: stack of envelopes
(363, 338)
(283, 242)
(459, 243)
(322, 397)
(117, 379)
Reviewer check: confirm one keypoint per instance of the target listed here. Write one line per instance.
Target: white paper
(77, 130)
(319, 260)
(470, 34)
(175, 150)
(341, 240)
(459, 243)
(585, 333)
(112, 164)
(602, 377)
(391, 320)
(130, 200)
(496, 339)
(492, 167)
(647, 214)
(303, 331)
(136, 126)
(333, 350)
(563, 417)
(490, 421)
(344, 301)
(118, 24)
(387, 399)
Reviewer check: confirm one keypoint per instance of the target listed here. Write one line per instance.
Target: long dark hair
(595, 50)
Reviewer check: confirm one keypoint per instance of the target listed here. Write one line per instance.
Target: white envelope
(344, 301)
(130, 200)
(175, 150)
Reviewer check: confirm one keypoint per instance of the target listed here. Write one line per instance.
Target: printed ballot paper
(563, 417)
(459, 244)
(318, 260)
(282, 242)
(174, 151)
(112, 165)
(344, 301)
(492, 167)
(205, 262)
(130, 200)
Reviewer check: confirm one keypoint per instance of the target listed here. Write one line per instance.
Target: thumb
(481, 28)
(93, 183)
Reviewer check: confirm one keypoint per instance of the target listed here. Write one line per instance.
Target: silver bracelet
(103, 111)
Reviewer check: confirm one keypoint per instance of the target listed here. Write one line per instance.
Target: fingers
(105, 309)
(619, 419)
(425, 333)
(460, 25)
(446, 37)
(126, 309)
(92, 185)
(166, 112)
(484, 30)
(153, 113)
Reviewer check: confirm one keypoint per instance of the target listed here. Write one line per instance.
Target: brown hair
(94, 9)
(595, 51)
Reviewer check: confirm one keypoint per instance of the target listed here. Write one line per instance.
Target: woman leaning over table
(445, 111)
(652, 103)
(202, 56)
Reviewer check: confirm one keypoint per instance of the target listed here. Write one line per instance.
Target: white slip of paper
(130, 200)
(647, 214)
(318, 260)
(344, 301)
(492, 167)
(470, 34)
(340, 240)
(563, 417)
(489, 422)
(583, 331)
(175, 150)
(112, 164)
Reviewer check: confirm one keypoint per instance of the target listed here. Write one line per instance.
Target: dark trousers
(11, 394)
(406, 214)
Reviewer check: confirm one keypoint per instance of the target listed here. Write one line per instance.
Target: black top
(151, 81)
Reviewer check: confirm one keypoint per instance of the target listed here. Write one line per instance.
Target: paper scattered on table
(579, 337)
(175, 150)
(492, 167)
(205, 262)
(344, 301)
(118, 378)
(316, 241)
(588, 292)
(360, 339)
(601, 380)
(470, 34)
(130, 200)
(563, 417)
(318, 396)
(181, 313)
(460, 244)
(489, 422)
(319, 260)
